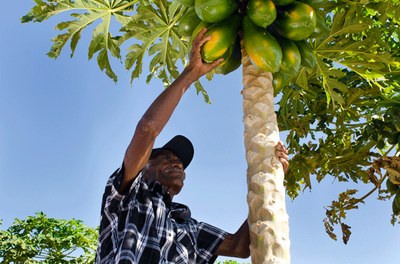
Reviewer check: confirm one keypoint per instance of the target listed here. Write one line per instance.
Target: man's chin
(176, 187)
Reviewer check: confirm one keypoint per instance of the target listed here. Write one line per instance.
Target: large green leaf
(154, 27)
(150, 27)
(91, 11)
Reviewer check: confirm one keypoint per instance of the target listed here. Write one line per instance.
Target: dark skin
(166, 168)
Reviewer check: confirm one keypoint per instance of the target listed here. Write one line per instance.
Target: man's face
(167, 169)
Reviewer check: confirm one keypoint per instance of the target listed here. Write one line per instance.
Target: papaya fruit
(283, 2)
(261, 12)
(296, 21)
(280, 80)
(307, 54)
(212, 11)
(223, 35)
(188, 3)
(291, 57)
(232, 62)
(188, 23)
(391, 187)
(263, 49)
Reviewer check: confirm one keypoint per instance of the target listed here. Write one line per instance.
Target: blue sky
(64, 128)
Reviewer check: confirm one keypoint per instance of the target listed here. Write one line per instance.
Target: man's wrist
(190, 74)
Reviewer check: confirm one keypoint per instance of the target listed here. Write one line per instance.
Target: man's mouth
(178, 172)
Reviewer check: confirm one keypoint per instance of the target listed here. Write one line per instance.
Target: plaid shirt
(144, 226)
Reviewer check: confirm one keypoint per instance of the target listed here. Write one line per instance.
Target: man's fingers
(200, 39)
(285, 164)
(282, 153)
(217, 62)
(281, 146)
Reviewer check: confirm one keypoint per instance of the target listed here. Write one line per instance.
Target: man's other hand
(282, 154)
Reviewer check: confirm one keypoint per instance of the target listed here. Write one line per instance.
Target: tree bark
(268, 220)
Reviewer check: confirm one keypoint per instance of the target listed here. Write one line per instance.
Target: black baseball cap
(180, 146)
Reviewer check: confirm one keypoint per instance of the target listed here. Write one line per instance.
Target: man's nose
(177, 164)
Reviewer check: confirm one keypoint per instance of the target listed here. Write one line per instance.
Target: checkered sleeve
(208, 240)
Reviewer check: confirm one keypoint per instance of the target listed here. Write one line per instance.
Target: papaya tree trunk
(268, 220)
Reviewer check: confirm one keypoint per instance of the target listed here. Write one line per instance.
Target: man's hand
(197, 67)
(282, 153)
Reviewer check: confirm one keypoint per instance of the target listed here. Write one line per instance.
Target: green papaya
(280, 80)
(212, 11)
(188, 23)
(291, 57)
(263, 49)
(307, 54)
(261, 12)
(232, 62)
(296, 21)
(222, 36)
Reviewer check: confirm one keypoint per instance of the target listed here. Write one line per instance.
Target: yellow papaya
(291, 57)
(263, 49)
(223, 35)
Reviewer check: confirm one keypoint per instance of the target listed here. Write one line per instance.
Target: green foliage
(149, 26)
(42, 239)
(342, 115)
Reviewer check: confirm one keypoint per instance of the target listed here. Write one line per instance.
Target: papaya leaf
(200, 90)
(92, 11)
(155, 32)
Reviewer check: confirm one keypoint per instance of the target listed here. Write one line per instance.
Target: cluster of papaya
(394, 189)
(274, 33)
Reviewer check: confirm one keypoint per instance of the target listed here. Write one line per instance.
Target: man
(139, 221)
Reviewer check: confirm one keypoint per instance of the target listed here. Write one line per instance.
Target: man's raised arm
(159, 112)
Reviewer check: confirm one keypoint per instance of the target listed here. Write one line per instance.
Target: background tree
(40, 238)
(342, 115)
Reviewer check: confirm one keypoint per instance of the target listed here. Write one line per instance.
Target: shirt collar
(180, 212)
(156, 187)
